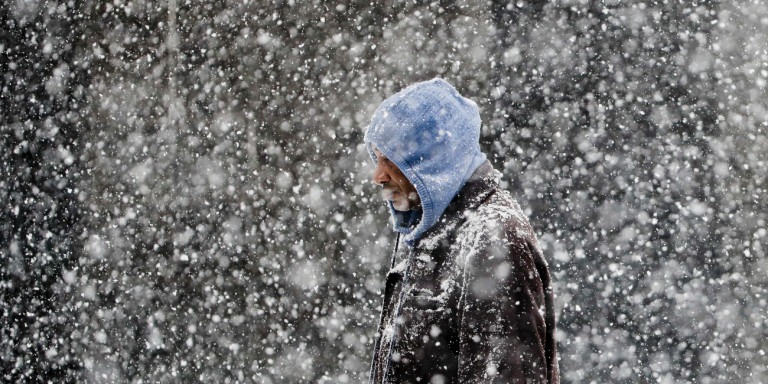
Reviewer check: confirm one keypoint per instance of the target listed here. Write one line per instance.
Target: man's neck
(407, 219)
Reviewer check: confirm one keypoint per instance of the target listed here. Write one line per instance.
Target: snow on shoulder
(499, 222)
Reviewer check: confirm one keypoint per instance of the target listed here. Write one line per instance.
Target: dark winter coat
(474, 298)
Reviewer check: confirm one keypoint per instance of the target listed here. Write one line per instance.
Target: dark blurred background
(185, 194)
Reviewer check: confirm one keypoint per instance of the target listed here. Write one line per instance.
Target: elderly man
(469, 298)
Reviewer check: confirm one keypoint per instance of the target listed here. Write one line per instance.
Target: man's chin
(402, 206)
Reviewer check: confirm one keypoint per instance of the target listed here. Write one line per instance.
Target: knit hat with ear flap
(432, 134)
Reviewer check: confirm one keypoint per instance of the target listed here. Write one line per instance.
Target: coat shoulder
(498, 218)
(499, 230)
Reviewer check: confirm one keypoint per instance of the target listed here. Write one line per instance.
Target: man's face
(396, 187)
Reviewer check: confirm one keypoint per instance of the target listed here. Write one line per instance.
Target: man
(469, 300)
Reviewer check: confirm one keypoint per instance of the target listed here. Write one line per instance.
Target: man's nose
(380, 174)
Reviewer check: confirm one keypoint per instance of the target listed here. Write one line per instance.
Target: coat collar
(483, 182)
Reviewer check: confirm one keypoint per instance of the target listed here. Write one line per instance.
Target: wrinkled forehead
(377, 152)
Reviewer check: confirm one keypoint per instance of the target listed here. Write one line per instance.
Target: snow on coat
(474, 298)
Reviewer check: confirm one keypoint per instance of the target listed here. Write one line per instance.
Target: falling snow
(186, 195)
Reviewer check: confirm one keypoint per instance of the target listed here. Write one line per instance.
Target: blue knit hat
(432, 134)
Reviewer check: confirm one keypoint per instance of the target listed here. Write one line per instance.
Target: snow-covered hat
(432, 134)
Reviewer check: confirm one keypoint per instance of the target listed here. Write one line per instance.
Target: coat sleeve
(504, 335)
